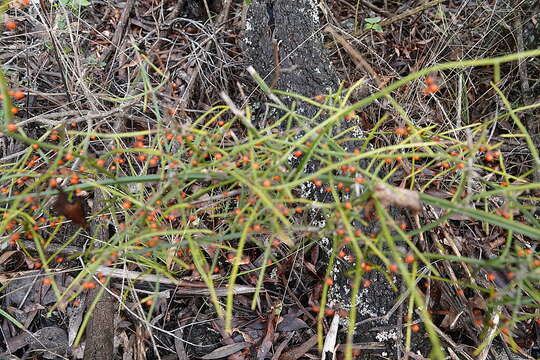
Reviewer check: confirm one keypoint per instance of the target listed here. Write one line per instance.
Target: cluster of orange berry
(432, 86)
(17, 95)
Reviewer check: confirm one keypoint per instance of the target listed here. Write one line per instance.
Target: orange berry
(297, 153)
(138, 144)
(69, 156)
(409, 258)
(19, 94)
(366, 267)
(491, 276)
(11, 25)
(267, 183)
(329, 281)
(348, 205)
(47, 281)
(415, 328)
(89, 285)
(350, 116)
(12, 127)
(14, 110)
(154, 161)
(489, 157)
(393, 268)
(401, 132)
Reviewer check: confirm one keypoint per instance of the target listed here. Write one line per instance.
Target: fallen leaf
(291, 322)
(72, 210)
(391, 195)
(225, 351)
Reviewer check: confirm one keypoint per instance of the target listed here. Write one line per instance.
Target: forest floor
(139, 159)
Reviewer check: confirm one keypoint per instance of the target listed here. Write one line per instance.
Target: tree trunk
(288, 32)
(285, 46)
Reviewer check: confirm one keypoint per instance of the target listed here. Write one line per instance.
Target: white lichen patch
(386, 335)
(325, 242)
(314, 12)
(366, 309)
(318, 223)
(273, 273)
(247, 30)
(306, 189)
(358, 133)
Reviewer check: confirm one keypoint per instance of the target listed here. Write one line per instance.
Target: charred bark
(284, 44)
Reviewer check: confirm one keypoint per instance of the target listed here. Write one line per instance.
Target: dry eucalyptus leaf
(226, 350)
(391, 195)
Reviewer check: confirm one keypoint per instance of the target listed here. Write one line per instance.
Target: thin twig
(119, 32)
